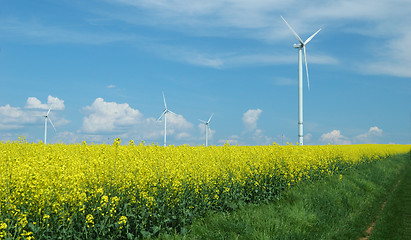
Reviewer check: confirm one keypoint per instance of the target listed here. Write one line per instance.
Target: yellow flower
(27, 235)
(45, 217)
(100, 191)
(3, 226)
(122, 221)
(65, 178)
(104, 200)
(89, 220)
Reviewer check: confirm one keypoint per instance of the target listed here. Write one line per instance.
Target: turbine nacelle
(302, 46)
(296, 45)
(46, 118)
(164, 115)
(208, 122)
(302, 54)
(206, 128)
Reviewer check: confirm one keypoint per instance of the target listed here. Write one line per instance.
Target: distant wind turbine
(301, 47)
(46, 118)
(164, 115)
(207, 128)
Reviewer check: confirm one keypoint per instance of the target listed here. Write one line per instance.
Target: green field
(395, 220)
(338, 207)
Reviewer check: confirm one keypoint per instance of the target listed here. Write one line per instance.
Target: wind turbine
(206, 128)
(164, 114)
(46, 117)
(301, 47)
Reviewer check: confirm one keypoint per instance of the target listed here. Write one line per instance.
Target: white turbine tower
(164, 114)
(301, 47)
(46, 118)
(207, 128)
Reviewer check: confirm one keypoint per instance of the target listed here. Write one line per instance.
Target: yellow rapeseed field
(82, 191)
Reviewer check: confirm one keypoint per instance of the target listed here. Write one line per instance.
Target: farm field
(336, 207)
(394, 222)
(86, 191)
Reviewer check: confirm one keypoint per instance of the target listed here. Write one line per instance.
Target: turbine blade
(202, 121)
(52, 124)
(306, 67)
(162, 115)
(210, 118)
(165, 104)
(171, 112)
(292, 30)
(309, 39)
(48, 112)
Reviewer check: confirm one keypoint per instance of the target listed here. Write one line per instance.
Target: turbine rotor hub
(296, 45)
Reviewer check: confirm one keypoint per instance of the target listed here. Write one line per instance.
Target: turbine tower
(206, 128)
(164, 114)
(301, 47)
(46, 118)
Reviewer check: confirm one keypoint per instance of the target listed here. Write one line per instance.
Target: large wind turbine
(206, 128)
(301, 47)
(164, 114)
(46, 118)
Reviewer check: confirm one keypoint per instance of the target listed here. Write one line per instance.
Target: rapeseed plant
(138, 190)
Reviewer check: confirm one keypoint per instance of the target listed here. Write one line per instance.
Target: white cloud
(250, 119)
(375, 131)
(69, 137)
(14, 118)
(33, 102)
(200, 59)
(188, 55)
(334, 137)
(232, 140)
(11, 117)
(273, 59)
(18, 118)
(207, 13)
(224, 59)
(77, 137)
(260, 138)
(307, 137)
(53, 102)
(393, 57)
(370, 136)
(10, 113)
(260, 20)
(121, 120)
(202, 129)
(242, 19)
(109, 116)
(183, 135)
(176, 122)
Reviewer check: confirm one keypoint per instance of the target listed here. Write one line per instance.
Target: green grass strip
(337, 207)
(395, 220)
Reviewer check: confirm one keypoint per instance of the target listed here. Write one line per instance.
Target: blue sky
(102, 67)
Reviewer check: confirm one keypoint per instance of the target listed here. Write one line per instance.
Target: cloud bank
(52, 102)
(335, 137)
(260, 20)
(108, 118)
(12, 118)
